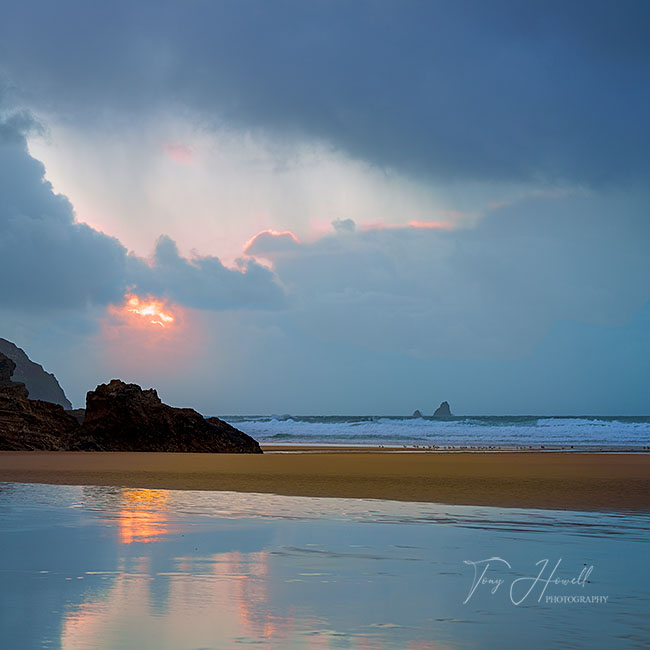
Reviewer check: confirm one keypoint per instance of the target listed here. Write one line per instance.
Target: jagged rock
(77, 414)
(234, 439)
(443, 411)
(7, 367)
(27, 424)
(417, 414)
(118, 417)
(123, 417)
(13, 388)
(42, 385)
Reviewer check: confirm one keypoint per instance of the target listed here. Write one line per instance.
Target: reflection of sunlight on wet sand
(80, 626)
(369, 644)
(252, 572)
(89, 625)
(318, 643)
(222, 600)
(230, 601)
(142, 516)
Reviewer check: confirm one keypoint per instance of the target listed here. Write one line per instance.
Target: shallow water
(98, 567)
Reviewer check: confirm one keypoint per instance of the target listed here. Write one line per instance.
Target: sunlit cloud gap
(151, 309)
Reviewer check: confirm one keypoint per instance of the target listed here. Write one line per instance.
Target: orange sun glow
(154, 311)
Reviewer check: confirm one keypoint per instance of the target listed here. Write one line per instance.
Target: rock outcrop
(42, 385)
(123, 417)
(118, 417)
(416, 414)
(233, 440)
(7, 369)
(77, 414)
(27, 424)
(443, 411)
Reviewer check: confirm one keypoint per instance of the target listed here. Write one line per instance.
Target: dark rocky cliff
(118, 417)
(41, 384)
(27, 424)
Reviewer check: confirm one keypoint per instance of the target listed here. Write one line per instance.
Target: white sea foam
(517, 431)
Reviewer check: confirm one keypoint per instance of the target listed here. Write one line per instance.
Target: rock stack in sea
(443, 411)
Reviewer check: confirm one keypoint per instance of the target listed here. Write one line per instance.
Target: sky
(330, 207)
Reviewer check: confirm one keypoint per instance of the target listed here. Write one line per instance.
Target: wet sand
(576, 481)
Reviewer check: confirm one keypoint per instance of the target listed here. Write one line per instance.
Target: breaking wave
(484, 432)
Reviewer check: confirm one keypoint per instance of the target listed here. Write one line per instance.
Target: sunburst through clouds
(150, 310)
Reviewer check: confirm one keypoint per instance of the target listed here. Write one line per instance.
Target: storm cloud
(487, 292)
(46, 258)
(204, 282)
(408, 195)
(49, 260)
(470, 90)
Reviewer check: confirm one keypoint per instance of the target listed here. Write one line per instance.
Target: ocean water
(491, 431)
(123, 568)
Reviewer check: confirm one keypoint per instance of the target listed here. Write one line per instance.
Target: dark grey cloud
(472, 90)
(48, 260)
(499, 90)
(204, 282)
(487, 292)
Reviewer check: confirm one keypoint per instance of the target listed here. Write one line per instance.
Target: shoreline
(547, 479)
(301, 448)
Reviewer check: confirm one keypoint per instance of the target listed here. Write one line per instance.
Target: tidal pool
(100, 567)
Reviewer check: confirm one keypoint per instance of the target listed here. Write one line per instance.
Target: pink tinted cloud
(178, 152)
(271, 241)
(429, 225)
(274, 242)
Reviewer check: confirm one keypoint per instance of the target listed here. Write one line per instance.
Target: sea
(465, 432)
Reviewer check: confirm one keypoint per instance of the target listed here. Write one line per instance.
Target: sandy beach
(576, 481)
